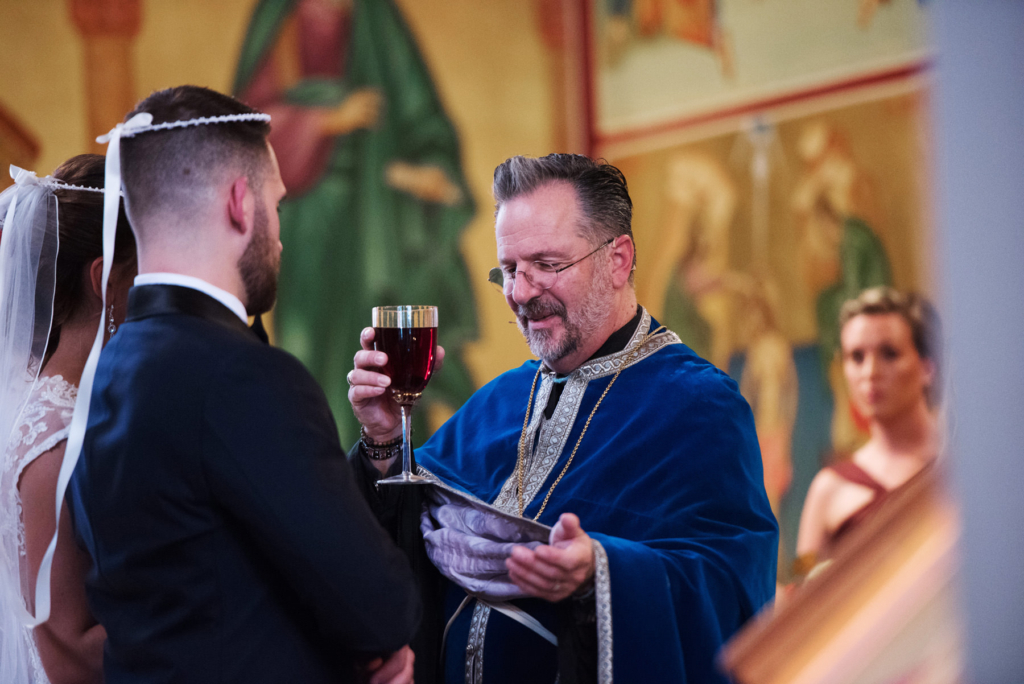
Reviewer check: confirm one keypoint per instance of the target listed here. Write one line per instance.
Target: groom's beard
(259, 265)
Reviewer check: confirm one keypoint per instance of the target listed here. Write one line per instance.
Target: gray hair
(600, 187)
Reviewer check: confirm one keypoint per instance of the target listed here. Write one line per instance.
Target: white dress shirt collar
(223, 296)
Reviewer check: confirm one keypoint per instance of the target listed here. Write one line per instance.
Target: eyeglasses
(540, 274)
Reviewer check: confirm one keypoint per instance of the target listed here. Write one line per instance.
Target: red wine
(410, 356)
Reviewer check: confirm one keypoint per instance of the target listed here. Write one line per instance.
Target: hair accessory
(143, 122)
(24, 177)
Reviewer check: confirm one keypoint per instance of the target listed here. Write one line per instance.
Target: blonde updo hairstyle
(919, 314)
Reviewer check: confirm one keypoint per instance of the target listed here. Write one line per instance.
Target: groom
(228, 540)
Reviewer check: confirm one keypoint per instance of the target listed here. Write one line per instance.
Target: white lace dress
(43, 424)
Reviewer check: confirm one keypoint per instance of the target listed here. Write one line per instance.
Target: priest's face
(261, 262)
(544, 226)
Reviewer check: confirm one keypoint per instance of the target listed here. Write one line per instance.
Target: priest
(640, 455)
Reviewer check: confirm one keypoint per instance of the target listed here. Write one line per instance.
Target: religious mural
(776, 154)
(748, 242)
(656, 63)
(694, 22)
(377, 200)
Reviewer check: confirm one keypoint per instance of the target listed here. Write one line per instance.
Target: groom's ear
(241, 205)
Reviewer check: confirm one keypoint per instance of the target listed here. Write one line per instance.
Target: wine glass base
(404, 479)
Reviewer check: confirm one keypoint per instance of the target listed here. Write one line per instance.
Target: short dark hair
(168, 170)
(600, 187)
(918, 312)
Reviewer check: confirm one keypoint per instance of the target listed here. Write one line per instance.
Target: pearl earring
(112, 328)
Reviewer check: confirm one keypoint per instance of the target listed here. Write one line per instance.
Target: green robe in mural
(352, 242)
(864, 264)
(682, 317)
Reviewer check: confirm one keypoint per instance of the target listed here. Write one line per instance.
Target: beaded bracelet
(379, 451)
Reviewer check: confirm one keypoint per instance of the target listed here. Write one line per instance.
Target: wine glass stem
(406, 438)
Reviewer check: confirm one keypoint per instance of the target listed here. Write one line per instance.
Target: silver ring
(348, 378)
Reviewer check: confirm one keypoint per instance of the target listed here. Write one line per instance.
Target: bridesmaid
(890, 355)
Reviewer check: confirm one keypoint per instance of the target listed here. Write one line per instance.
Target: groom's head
(205, 194)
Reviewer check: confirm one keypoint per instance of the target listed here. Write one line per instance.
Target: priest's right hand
(373, 405)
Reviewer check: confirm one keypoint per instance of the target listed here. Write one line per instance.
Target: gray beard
(579, 324)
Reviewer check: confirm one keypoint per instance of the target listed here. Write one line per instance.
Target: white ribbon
(22, 176)
(138, 123)
(80, 417)
(523, 618)
(507, 609)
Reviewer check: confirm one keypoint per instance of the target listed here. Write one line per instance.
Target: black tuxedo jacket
(229, 541)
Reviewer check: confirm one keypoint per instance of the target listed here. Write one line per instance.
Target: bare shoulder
(39, 478)
(824, 486)
(820, 495)
(814, 516)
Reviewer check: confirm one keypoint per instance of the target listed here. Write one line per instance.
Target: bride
(50, 307)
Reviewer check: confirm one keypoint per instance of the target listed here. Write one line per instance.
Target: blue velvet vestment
(667, 481)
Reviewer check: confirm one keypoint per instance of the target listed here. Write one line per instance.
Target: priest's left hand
(558, 570)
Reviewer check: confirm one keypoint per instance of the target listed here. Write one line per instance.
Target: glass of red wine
(408, 335)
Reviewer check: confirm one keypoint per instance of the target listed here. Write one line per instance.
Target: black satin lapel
(145, 301)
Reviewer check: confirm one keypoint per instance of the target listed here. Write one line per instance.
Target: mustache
(536, 309)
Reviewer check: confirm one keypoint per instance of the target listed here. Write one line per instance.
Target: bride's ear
(96, 277)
